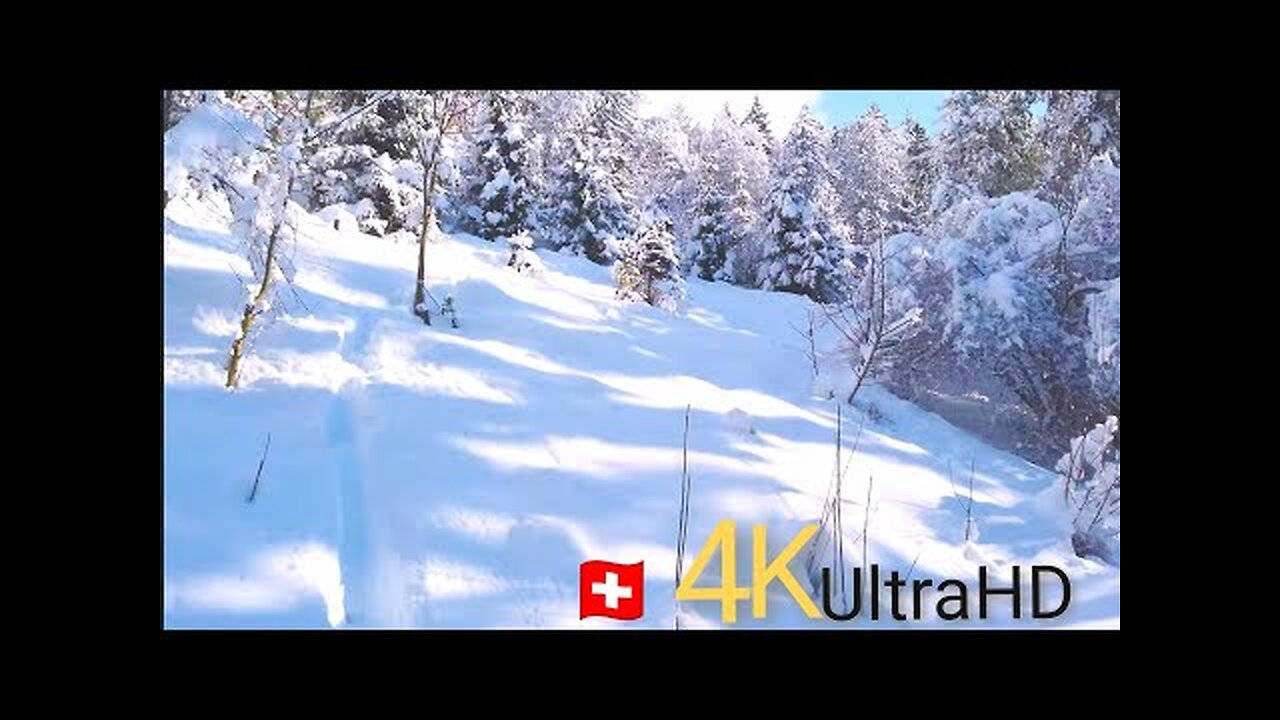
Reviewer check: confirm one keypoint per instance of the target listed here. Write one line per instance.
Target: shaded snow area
(438, 477)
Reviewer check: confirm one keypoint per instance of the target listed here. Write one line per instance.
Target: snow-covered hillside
(437, 477)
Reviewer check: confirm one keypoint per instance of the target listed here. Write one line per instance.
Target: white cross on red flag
(611, 590)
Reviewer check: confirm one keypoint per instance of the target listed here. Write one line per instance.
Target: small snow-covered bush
(523, 259)
(647, 269)
(386, 194)
(1090, 473)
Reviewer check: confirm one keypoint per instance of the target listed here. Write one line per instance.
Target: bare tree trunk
(254, 309)
(813, 347)
(864, 370)
(428, 217)
(448, 108)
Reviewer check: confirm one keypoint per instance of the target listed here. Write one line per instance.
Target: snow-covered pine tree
(1010, 316)
(568, 227)
(757, 118)
(648, 269)
(666, 181)
(498, 197)
(366, 164)
(921, 173)
(870, 161)
(555, 116)
(987, 145)
(803, 252)
(731, 181)
(613, 130)
(593, 211)
(713, 236)
(743, 253)
(747, 186)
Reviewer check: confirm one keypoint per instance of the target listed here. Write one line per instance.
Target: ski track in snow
(432, 477)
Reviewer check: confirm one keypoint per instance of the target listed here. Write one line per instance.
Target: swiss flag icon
(611, 590)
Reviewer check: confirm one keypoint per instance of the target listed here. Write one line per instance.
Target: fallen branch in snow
(254, 493)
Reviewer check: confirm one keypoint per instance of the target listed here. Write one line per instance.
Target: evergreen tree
(498, 196)
(590, 215)
(744, 217)
(757, 118)
(870, 162)
(921, 173)
(803, 252)
(666, 182)
(569, 230)
(555, 118)
(713, 236)
(731, 182)
(592, 198)
(367, 163)
(987, 143)
(648, 269)
(613, 132)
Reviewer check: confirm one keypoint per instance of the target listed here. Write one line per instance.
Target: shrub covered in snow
(647, 269)
(211, 142)
(385, 194)
(523, 258)
(1090, 473)
(1002, 312)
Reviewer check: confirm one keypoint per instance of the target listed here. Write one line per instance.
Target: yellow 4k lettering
(763, 572)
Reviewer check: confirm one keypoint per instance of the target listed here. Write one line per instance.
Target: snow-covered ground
(437, 477)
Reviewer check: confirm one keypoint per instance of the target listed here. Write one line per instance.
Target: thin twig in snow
(258, 476)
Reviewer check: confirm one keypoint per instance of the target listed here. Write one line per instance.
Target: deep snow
(437, 477)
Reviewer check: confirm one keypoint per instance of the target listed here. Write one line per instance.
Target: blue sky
(833, 107)
(839, 107)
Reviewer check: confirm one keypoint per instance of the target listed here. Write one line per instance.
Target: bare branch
(258, 476)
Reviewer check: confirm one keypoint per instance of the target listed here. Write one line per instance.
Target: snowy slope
(436, 477)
